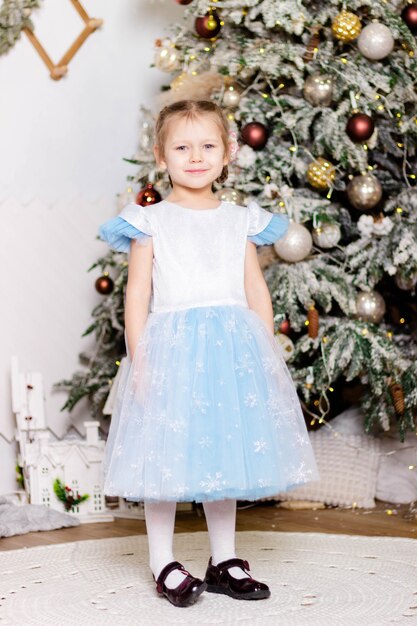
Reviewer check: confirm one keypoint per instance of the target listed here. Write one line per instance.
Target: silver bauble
(166, 58)
(375, 41)
(295, 245)
(364, 192)
(318, 89)
(228, 194)
(327, 235)
(231, 97)
(286, 345)
(406, 284)
(370, 306)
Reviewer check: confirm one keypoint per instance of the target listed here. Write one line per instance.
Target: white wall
(61, 151)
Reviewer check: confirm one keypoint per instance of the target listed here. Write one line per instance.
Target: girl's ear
(160, 161)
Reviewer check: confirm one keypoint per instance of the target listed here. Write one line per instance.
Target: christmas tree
(322, 98)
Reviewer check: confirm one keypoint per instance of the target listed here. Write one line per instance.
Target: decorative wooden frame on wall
(58, 70)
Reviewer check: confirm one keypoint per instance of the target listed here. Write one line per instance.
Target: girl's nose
(195, 155)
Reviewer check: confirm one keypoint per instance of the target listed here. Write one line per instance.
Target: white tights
(160, 520)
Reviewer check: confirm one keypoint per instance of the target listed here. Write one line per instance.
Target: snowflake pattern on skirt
(206, 410)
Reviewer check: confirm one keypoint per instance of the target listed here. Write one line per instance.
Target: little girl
(205, 409)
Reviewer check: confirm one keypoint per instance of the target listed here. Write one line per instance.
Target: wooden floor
(385, 520)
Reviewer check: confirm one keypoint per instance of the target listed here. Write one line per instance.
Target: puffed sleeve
(265, 227)
(131, 223)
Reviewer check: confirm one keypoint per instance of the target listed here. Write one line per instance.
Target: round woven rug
(315, 579)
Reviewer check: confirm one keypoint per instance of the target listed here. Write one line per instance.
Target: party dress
(206, 408)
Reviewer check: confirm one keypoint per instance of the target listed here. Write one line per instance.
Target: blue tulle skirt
(206, 410)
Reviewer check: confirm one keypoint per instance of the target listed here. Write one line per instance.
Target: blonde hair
(191, 109)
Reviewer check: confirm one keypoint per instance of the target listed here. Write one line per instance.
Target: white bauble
(370, 306)
(375, 41)
(228, 194)
(286, 345)
(295, 245)
(231, 97)
(327, 235)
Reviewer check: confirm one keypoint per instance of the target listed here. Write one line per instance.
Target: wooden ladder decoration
(58, 70)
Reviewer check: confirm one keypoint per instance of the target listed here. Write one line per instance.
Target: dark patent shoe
(219, 580)
(186, 593)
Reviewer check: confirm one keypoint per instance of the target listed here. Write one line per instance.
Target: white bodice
(199, 255)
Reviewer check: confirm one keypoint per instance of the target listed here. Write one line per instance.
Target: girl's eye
(181, 148)
(209, 145)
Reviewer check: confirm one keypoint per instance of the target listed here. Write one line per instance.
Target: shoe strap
(235, 562)
(165, 571)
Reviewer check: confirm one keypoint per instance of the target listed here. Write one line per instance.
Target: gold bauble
(321, 173)
(364, 191)
(166, 57)
(346, 26)
(178, 81)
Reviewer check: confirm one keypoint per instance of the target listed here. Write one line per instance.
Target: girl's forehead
(180, 127)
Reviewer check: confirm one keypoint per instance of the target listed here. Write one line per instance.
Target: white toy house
(76, 462)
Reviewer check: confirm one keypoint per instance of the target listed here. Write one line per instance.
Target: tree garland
(14, 17)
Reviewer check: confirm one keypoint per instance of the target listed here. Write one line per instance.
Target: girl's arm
(256, 289)
(138, 292)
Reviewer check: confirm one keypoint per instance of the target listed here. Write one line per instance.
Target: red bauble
(285, 328)
(409, 15)
(255, 135)
(104, 285)
(184, 1)
(148, 195)
(208, 26)
(360, 127)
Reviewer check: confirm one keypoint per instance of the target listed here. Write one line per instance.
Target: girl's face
(194, 153)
